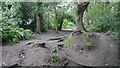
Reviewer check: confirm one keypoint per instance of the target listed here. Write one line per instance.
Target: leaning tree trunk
(80, 11)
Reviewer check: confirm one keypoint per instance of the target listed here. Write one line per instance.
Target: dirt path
(105, 53)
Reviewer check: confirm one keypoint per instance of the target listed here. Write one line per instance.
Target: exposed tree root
(60, 40)
(57, 38)
(65, 62)
(42, 45)
(78, 32)
(13, 66)
(70, 58)
(58, 51)
(38, 44)
(74, 60)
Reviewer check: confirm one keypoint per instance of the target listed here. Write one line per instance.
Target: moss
(88, 44)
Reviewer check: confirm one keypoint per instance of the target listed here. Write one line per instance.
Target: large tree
(81, 7)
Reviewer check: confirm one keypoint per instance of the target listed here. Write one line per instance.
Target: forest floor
(37, 51)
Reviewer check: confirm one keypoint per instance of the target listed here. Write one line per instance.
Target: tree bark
(56, 18)
(38, 29)
(61, 23)
(80, 11)
(61, 19)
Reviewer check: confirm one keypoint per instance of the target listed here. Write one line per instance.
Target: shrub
(54, 57)
(10, 28)
(11, 32)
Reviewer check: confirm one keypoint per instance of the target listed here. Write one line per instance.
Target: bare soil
(33, 53)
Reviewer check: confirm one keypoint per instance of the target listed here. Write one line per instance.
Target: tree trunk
(119, 11)
(56, 18)
(61, 23)
(80, 11)
(38, 29)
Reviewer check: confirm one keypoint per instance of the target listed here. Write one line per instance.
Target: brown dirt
(104, 53)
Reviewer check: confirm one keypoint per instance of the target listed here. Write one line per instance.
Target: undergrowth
(54, 57)
(69, 40)
(88, 44)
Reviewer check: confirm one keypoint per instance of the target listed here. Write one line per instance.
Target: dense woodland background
(84, 33)
(19, 18)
